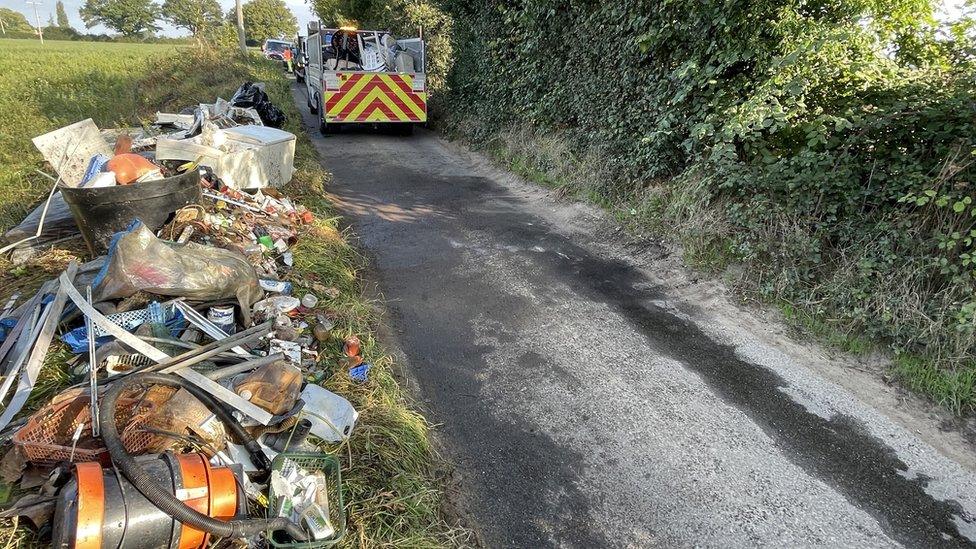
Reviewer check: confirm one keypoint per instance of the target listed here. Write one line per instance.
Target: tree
(345, 12)
(196, 16)
(15, 22)
(265, 19)
(128, 17)
(222, 35)
(62, 15)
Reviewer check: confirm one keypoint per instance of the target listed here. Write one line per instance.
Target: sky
(302, 11)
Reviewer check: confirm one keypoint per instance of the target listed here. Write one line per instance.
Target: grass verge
(389, 467)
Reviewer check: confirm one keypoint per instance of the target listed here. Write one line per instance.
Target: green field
(391, 491)
(45, 87)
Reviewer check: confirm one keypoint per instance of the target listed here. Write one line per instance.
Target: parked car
(273, 49)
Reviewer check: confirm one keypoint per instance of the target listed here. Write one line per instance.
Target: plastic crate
(337, 515)
(46, 438)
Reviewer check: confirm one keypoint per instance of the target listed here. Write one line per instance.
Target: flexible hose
(159, 495)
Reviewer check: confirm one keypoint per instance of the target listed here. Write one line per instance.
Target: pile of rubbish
(195, 412)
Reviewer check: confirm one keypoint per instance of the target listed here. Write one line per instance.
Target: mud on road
(593, 396)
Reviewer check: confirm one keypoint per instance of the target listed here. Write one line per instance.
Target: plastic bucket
(103, 211)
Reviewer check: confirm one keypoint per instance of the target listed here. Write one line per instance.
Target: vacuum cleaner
(165, 500)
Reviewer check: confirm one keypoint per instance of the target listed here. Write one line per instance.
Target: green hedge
(828, 145)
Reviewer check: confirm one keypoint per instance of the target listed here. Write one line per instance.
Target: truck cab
(365, 77)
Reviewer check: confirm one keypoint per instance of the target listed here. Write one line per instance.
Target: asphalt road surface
(583, 404)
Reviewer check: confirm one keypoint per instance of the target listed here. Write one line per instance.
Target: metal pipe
(187, 345)
(190, 358)
(92, 369)
(199, 354)
(244, 366)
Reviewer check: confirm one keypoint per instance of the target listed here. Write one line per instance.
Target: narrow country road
(584, 404)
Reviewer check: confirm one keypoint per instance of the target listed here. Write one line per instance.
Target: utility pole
(37, 19)
(240, 28)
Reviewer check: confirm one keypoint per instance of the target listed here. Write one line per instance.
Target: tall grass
(43, 88)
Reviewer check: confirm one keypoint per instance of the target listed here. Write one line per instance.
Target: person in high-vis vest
(286, 55)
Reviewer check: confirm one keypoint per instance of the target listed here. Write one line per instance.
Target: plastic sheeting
(59, 222)
(77, 339)
(138, 261)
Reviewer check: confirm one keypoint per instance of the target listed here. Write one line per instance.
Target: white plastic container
(332, 416)
(309, 301)
(251, 157)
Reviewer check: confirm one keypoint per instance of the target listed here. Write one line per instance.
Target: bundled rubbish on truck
(195, 415)
(365, 77)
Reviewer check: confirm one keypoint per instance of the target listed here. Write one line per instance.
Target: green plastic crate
(337, 515)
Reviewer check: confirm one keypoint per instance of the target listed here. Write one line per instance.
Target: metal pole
(240, 28)
(92, 370)
(195, 356)
(246, 366)
(37, 20)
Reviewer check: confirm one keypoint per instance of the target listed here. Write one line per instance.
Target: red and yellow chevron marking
(375, 97)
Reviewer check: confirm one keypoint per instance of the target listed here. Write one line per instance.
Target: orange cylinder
(351, 346)
(100, 509)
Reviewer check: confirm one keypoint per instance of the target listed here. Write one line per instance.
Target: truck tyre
(324, 127)
(313, 105)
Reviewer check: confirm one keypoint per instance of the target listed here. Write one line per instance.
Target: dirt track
(591, 395)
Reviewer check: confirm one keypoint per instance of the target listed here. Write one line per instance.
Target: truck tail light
(419, 82)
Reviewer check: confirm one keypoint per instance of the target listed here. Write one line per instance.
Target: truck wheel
(324, 127)
(313, 106)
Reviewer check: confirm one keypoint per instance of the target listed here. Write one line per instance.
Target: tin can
(350, 347)
(223, 317)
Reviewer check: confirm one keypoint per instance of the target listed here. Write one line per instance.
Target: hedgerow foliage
(830, 143)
